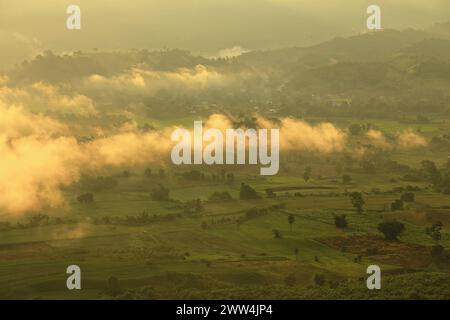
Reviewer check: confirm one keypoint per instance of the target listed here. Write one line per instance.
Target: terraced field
(221, 250)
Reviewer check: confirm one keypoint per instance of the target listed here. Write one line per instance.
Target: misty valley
(229, 146)
(119, 162)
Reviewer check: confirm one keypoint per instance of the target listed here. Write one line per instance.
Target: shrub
(160, 193)
(408, 197)
(357, 201)
(193, 175)
(391, 229)
(435, 231)
(397, 205)
(346, 179)
(270, 193)
(247, 192)
(277, 234)
(86, 198)
(340, 220)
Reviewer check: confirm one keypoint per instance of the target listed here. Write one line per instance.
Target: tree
(397, 205)
(296, 251)
(38, 219)
(239, 222)
(346, 179)
(247, 192)
(357, 201)
(143, 217)
(193, 175)
(125, 174)
(270, 193)
(291, 220)
(252, 213)
(307, 174)
(277, 234)
(430, 171)
(408, 197)
(340, 220)
(193, 206)
(86, 198)
(160, 193)
(391, 229)
(230, 178)
(435, 231)
(355, 129)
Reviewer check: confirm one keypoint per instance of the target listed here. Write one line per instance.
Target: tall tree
(357, 201)
(307, 174)
(291, 220)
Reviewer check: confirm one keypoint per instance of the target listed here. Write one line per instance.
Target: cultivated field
(227, 248)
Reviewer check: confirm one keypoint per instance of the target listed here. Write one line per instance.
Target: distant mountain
(387, 62)
(368, 46)
(441, 29)
(405, 66)
(365, 47)
(433, 48)
(53, 68)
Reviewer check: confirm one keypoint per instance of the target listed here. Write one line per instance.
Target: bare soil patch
(24, 250)
(399, 253)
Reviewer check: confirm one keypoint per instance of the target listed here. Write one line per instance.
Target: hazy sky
(204, 26)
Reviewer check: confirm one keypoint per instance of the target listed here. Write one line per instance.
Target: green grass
(181, 259)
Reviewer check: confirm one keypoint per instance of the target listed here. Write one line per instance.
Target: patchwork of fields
(166, 249)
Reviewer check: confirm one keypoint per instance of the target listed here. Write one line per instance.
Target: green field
(87, 173)
(218, 251)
